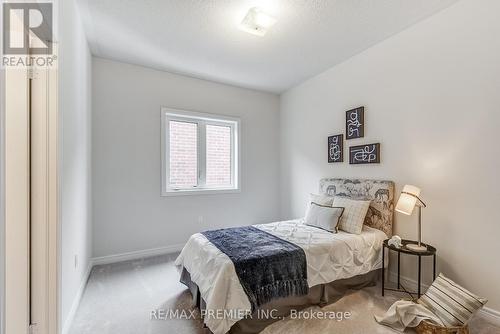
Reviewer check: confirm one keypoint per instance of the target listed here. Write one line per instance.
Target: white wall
(128, 212)
(74, 132)
(431, 97)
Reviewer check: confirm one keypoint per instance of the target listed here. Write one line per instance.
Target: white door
(43, 201)
(17, 201)
(31, 201)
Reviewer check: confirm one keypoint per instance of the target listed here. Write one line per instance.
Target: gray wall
(74, 159)
(431, 97)
(128, 212)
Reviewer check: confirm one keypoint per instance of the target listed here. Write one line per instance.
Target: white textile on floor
(405, 313)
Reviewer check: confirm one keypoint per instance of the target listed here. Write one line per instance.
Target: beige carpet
(120, 297)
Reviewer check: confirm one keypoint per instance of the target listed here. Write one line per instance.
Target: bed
(335, 262)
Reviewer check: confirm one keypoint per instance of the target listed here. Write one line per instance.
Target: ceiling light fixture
(257, 22)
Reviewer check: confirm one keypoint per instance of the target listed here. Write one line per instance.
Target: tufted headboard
(381, 212)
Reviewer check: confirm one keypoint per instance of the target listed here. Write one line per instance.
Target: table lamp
(406, 203)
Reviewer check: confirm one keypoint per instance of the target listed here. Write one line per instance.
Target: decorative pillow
(319, 199)
(453, 304)
(354, 213)
(324, 217)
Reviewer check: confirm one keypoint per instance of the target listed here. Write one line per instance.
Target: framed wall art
(364, 154)
(355, 123)
(336, 148)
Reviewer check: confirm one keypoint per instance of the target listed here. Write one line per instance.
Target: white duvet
(329, 257)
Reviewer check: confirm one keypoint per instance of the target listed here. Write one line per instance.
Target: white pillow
(324, 217)
(319, 199)
(354, 214)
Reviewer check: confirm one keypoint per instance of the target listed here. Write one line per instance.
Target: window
(199, 153)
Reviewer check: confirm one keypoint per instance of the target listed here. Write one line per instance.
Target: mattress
(329, 257)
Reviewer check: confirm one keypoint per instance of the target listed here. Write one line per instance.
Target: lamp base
(416, 248)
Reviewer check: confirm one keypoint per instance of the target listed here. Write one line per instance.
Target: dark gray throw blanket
(268, 267)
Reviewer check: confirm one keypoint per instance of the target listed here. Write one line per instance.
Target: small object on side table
(431, 251)
(395, 241)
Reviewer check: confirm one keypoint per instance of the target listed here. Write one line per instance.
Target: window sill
(194, 192)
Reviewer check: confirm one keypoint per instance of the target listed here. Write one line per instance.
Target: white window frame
(201, 119)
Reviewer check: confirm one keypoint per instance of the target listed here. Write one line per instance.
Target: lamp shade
(407, 199)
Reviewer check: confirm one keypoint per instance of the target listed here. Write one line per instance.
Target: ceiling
(200, 38)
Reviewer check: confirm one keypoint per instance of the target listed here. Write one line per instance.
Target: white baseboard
(409, 283)
(136, 254)
(488, 314)
(76, 300)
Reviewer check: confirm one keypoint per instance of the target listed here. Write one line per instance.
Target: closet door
(31, 190)
(43, 200)
(31, 195)
(17, 201)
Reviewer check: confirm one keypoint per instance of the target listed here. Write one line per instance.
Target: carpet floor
(120, 298)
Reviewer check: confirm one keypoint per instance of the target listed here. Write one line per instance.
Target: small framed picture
(355, 123)
(336, 148)
(364, 154)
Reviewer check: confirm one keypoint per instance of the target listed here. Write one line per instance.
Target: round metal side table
(431, 251)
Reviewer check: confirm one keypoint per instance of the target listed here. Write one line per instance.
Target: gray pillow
(324, 217)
